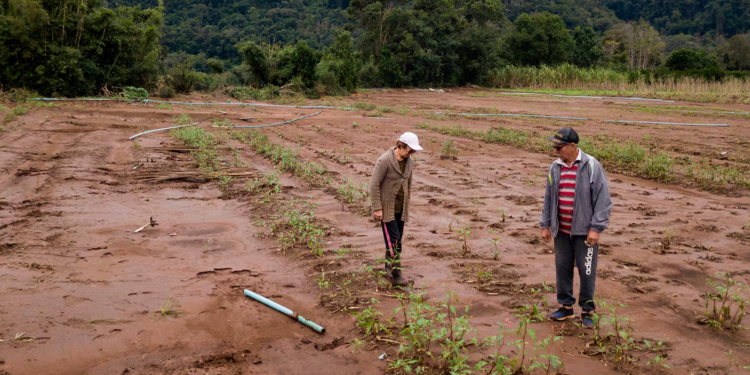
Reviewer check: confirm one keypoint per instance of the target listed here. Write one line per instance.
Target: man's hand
(593, 238)
(378, 215)
(547, 235)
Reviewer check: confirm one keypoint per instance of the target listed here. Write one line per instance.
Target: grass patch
(627, 156)
(286, 158)
(207, 155)
(716, 177)
(18, 110)
(296, 227)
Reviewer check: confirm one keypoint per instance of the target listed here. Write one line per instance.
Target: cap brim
(415, 147)
(555, 140)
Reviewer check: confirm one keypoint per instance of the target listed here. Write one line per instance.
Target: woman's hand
(378, 215)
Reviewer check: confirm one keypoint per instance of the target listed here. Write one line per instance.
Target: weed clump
(351, 192)
(449, 151)
(727, 303)
(286, 158)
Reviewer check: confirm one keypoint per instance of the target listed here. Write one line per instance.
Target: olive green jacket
(385, 183)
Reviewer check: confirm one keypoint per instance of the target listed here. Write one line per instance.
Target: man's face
(566, 151)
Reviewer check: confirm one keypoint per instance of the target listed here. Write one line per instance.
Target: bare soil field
(82, 293)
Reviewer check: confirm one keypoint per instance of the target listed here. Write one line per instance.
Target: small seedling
(341, 252)
(494, 241)
(356, 344)
(464, 235)
(501, 212)
(167, 310)
(322, 283)
(449, 151)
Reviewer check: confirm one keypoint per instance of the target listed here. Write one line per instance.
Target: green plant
(356, 344)
(464, 235)
(617, 340)
(424, 324)
(449, 151)
(299, 227)
(370, 320)
(286, 158)
(501, 211)
(183, 119)
(364, 106)
(727, 303)
(536, 304)
(661, 358)
(341, 252)
(225, 123)
(165, 106)
(18, 110)
(494, 242)
(322, 282)
(267, 184)
(168, 309)
(352, 192)
(134, 93)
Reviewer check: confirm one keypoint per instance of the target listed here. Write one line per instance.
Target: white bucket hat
(411, 140)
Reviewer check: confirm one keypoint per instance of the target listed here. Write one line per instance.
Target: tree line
(81, 47)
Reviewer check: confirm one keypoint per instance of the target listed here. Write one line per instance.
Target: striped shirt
(567, 194)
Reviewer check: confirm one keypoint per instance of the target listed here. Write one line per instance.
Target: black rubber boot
(388, 265)
(398, 279)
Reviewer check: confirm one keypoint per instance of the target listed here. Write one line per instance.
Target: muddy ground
(81, 293)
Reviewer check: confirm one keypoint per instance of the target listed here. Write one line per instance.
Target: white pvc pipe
(158, 130)
(663, 123)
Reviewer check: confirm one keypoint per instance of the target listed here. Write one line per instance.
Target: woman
(390, 189)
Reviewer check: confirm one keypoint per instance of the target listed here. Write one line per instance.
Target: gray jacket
(592, 202)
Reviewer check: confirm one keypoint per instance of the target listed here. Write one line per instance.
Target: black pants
(393, 231)
(569, 252)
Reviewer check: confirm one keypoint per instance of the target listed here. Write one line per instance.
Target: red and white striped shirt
(567, 194)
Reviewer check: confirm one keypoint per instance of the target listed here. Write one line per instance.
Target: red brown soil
(75, 276)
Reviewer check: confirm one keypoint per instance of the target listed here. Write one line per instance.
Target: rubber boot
(398, 279)
(388, 265)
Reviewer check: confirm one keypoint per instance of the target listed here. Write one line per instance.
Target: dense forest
(260, 48)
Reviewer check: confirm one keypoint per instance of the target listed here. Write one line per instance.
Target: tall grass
(566, 76)
(628, 157)
(286, 158)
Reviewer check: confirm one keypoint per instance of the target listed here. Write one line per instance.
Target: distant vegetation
(262, 49)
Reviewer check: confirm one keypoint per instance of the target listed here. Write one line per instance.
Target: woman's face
(404, 153)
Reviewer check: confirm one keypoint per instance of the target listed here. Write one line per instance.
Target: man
(576, 210)
(390, 189)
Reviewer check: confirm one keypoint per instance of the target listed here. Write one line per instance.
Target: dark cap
(565, 135)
